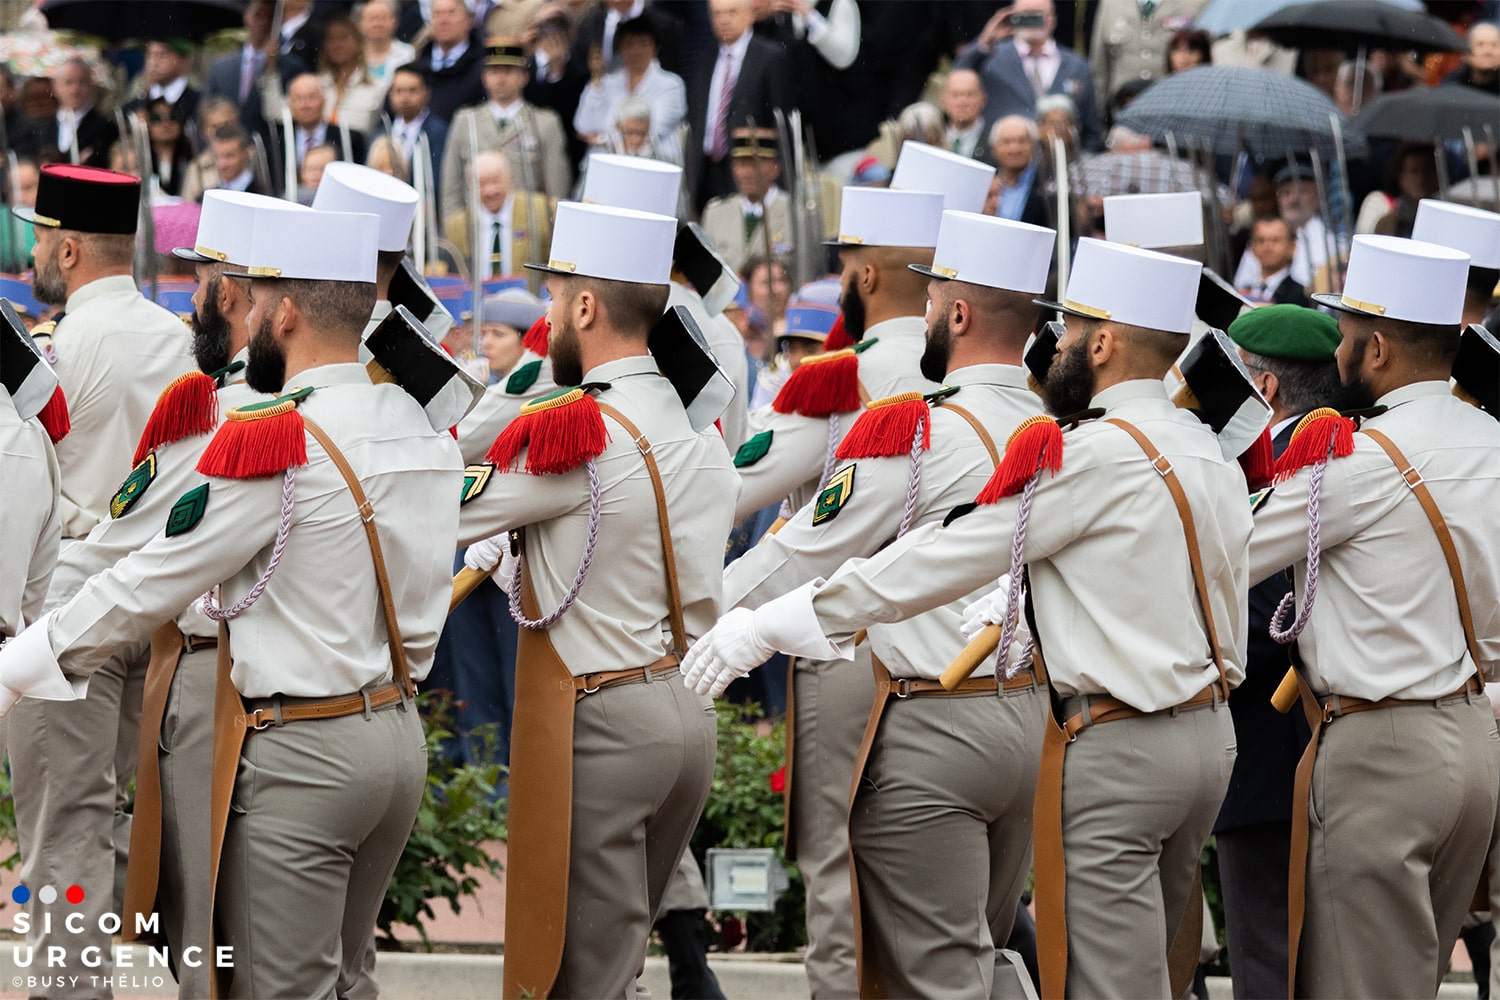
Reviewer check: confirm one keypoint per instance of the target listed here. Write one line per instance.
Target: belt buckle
(1162, 465)
(261, 722)
(591, 690)
(903, 687)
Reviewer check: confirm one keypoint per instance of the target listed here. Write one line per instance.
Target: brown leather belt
(586, 684)
(265, 712)
(1102, 709)
(193, 643)
(1333, 705)
(918, 687)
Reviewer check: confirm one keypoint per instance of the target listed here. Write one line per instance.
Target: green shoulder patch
(837, 493)
(1259, 497)
(938, 395)
(476, 478)
(187, 511)
(864, 345)
(524, 377)
(753, 450)
(251, 411)
(134, 487)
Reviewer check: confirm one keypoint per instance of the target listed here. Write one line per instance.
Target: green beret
(181, 46)
(1294, 333)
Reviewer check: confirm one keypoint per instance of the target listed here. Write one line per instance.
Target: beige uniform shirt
(1385, 623)
(498, 407)
(1111, 585)
(799, 445)
(116, 352)
(724, 222)
(30, 517)
(317, 629)
(533, 142)
(116, 537)
(729, 351)
(953, 471)
(620, 617)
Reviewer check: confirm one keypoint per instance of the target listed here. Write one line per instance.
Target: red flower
(778, 780)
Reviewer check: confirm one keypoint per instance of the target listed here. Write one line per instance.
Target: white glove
(29, 667)
(505, 572)
(988, 610)
(485, 554)
(730, 649)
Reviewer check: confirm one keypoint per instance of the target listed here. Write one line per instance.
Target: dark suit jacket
(358, 147)
(457, 86)
(668, 38)
(436, 131)
(1008, 89)
(563, 96)
(764, 85)
(188, 103)
(224, 81)
(1270, 744)
(1290, 292)
(96, 134)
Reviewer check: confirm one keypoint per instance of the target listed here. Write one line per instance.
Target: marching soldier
(940, 824)
(318, 772)
(610, 764)
(1288, 350)
(1394, 541)
(169, 841)
(114, 352)
(1139, 672)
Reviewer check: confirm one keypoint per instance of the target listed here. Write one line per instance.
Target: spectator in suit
(236, 77)
(301, 37)
(234, 170)
(384, 52)
(410, 119)
(166, 77)
(310, 127)
(531, 138)
(747, 80)
(1273, 244)
(598, 27)
(641, 77)
(963, 107)
(1015, 192)
(557, 79)
(1019, 64)
(517, 224)
(453, 58)
(76, 126)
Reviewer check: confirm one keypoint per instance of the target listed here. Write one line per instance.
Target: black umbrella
(1226, 108)
(1429, 114)
(1351, 24)
(119, 21)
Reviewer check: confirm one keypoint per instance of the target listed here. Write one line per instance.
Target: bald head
(963, 98)
(1484, 47)
(304, 96)
(493, 172)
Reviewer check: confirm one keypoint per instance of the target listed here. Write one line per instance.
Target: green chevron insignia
(476, 478)
(523, 378)
(134, 487)
(1259, 497)
(837, 493)
(753, 450)
(187, 511)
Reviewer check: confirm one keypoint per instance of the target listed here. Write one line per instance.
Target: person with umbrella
(1481, 68)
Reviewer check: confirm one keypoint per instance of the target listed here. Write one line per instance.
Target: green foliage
(8, 822)
(458, 816)
(743, 810)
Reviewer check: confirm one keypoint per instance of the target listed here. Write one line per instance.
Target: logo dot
(47, 894)
(75, 894)
(21, 895)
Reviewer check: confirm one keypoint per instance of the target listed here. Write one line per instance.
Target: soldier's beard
(562, 349)
(1356, 394)
(47, 284)
(1070, 381)
(266, 369)
(210, 331)
(853, 307)
(939, 351)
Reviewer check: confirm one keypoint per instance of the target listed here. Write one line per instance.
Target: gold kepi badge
(837, 493)
(134, 487)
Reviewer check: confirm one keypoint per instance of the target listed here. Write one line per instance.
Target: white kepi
(880, 217)
(998, 253)
(618, 244)
(349, 187)
(963, 182)
(633, 182)
(1154, 220)
(311, 246)
(1124, 284)
(1403, 279)
(225, 225)
(1473, 231)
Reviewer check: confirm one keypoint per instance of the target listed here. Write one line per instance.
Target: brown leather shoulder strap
(1190, 532)
(984, 435)
(1424, 497)
(674, 596)
(401, 672)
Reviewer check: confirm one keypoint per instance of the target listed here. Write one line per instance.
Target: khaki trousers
(643, 761)
(1139, 798)
(184, 755)
(941, 835)
(1401, 810)
(831, 704)
(321, 813)
(71, 763)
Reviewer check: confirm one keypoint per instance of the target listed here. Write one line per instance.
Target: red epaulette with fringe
(189, 405)
(259, 439)
(887, 427)
(1259, 462)
(559, 432)
(821, 385)
(535, 338)
(1034, 446)
(1322, 434)
(838, 338)
(54, 417)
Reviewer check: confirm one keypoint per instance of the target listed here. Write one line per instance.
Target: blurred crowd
(492, 109)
